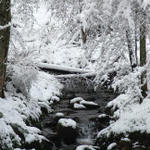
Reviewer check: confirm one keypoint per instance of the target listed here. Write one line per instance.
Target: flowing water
(86, 119)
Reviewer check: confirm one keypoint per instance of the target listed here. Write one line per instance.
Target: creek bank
(123, 141)
(87, 119)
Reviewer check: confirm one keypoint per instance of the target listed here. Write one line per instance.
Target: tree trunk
(131, 54)
(5, 18)
(136, 48)
(143, 54)
(83, 36)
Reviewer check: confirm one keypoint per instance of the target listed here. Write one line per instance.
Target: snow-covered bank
(129, 115)
(16, 110)
(135, 118)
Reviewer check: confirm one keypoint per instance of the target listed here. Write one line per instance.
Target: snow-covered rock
(67, 130)
(80, 103)
(76, 100)
(89, 103)
(85, 147)
(67, 123)
(78, 106)
(55, 99)
(59, 114)
(102, 116)
(111, 146)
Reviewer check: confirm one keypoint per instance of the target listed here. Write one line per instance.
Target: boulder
(112, 146)
(76, 100)
(78, 106)
(125, 144)
(85, 147)
(80, 103)
(89, 104)
(139, 148)
(67, 130)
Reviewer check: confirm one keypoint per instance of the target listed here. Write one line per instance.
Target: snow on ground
(69, 56)
(15, 109)
(68, 123)
(45, 87)
(133, 118)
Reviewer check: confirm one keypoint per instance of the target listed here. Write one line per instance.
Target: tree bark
(5, 18)
(143, 54)
(83, 36)
(131, 54)
(136, 48)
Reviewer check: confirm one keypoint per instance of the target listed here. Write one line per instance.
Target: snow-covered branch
(5, 26)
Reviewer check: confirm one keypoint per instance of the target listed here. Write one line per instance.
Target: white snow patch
(111, 146)
(133, 118)
(55, 99)
(83, 147)
(16, 109)
(88, 103)
(78, 106)
(45, 87)
(102, 116)
(59, 114)
(68, 123)
(76, 100)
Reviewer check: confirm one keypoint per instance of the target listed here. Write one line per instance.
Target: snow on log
(84, 75)
(53, 67)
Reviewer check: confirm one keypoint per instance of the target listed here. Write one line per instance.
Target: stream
(86, 119)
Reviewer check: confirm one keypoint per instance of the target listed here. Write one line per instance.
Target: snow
(52, 40)
(78, 106)
(68, 123)
(55, 98)
(76, 100)
(83, 102)
(59, 114)
(125, 139)
(15, 109)
(102, 116)
(62, 68)
(80, 103)
(111, 146)
(131, 119)
(45, 87)
(5, 26)
(83, 147)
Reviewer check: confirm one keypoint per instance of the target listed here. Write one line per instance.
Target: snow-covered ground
(39, 38)
(16, 109)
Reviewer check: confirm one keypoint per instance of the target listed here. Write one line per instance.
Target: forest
(74, 75)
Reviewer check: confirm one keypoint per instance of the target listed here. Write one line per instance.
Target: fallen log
(63, 69)
(84, 75)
